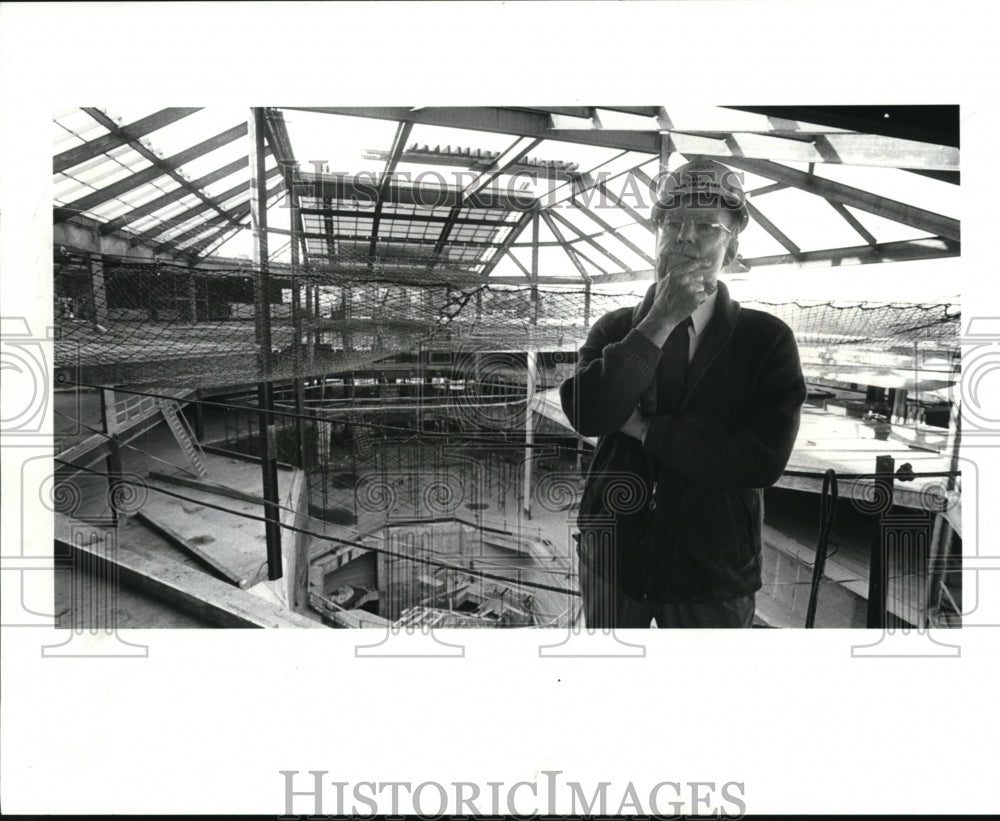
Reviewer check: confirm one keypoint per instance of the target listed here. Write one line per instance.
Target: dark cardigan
(678, 516)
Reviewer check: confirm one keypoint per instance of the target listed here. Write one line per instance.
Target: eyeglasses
(703, 229)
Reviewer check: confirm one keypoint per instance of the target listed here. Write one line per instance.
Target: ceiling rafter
(501, 121)
(180, 219)
(524, 270)
(934, 224)
(570, 251)
(361, 239)
(234, 216)
(133, 181)
(767, 189)
(772, 229)
(589, 240)
(615, 233)
(905, 250)
(416, 217)
(395, 152)
(515, 153)
(506, 243)
(119, 137)
(170, 171)
(645, 222)
(178, 193)
(477, 161)
(240, 214)
(853, 222)
(582, 255)
(359, 189)
(280, 144)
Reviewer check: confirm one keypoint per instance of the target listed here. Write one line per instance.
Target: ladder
(184, 436)
(362, 436)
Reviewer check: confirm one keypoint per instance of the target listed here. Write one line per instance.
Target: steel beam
(614, 232)
(176, 194)
(506, 243)
(851, 220)
(148, 174)
(179, 219)
(361, 189)
(501, 121)
(107, 142)
(772, 229)
(398, 145)
(144, 152)
(645, 222)
(912, 216)
(566, 246)
(589, 240)
(238, 214)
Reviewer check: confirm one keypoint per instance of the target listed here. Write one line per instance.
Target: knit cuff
(640, 353)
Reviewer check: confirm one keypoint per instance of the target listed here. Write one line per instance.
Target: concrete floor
(394, 482)
(233, 540)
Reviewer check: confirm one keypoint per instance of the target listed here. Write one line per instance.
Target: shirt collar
(703, 313)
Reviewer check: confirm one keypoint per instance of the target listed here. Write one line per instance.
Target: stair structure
(184, 436)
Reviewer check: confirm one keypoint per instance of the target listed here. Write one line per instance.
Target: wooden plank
(82, 455)
(624, 276)
(208, 487)
(416, 217)
(184, 587)
(171, 535)
(96, 447)
(519, 264)
(767, 189)
(246, 457)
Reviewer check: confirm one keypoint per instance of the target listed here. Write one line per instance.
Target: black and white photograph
(672, 378)
(432, 380)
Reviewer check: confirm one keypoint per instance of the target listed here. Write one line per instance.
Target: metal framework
(381, 220)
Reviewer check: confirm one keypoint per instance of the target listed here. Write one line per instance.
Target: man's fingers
(687, 266)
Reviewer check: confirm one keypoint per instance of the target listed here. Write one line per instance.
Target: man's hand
(635, 426)
(678, 294)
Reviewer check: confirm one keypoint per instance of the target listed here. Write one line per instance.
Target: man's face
(690, 231)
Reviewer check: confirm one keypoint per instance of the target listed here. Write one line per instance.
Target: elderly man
(696, 404)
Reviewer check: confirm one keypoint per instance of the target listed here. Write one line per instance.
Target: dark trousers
(606, 606)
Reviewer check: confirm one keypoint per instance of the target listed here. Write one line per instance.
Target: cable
(346, 542)
(827, 516)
